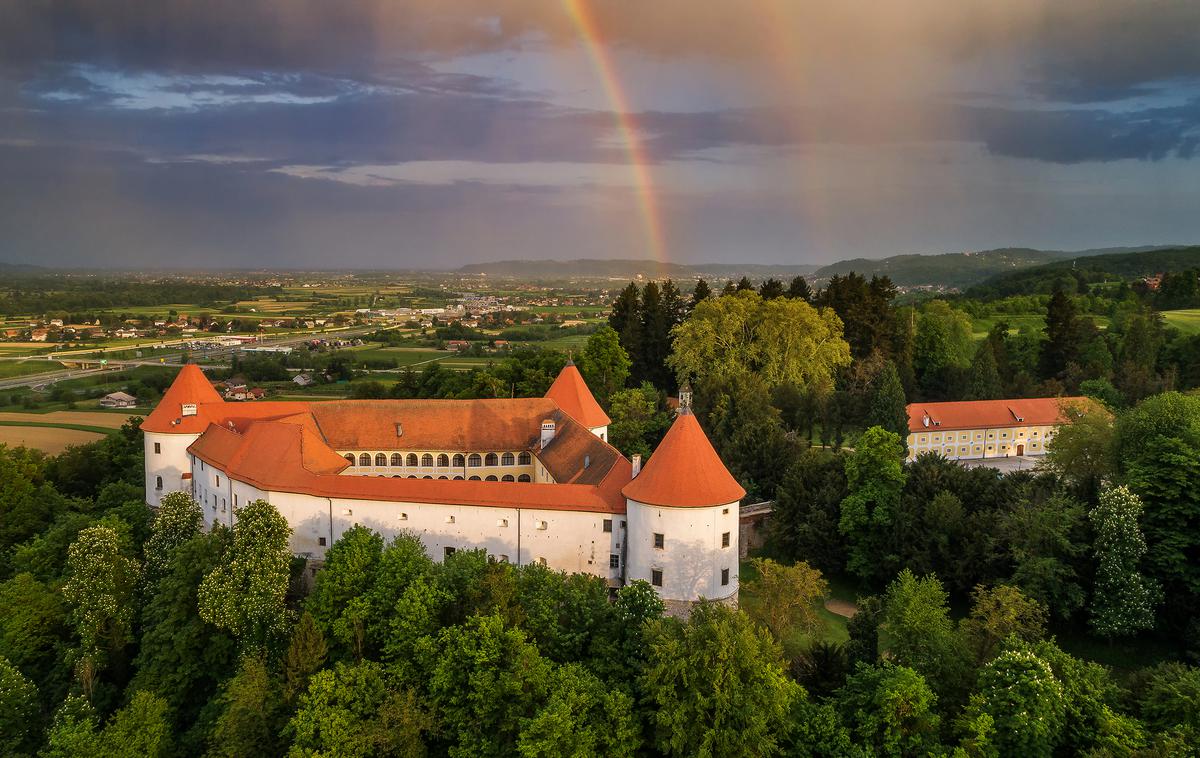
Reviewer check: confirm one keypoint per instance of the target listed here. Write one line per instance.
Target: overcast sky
(383, 133)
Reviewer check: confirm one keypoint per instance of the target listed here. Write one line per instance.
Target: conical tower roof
(191, 387)
(684, 471)
(571, 394)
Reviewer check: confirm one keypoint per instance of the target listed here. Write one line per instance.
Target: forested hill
(622, 268)
(1072, 273)
(951, 270)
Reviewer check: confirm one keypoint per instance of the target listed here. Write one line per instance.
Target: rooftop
(979, 414)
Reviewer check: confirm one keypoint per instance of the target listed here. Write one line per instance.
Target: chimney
(637, 464)
(547, 432)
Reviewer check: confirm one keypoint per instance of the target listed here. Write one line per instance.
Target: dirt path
(841, 607)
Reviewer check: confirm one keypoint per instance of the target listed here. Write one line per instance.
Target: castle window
(656, 577)
(427, 476)
(364, 460)
(502, 522)
(507, 478)
(443, 476)
(491, 460)
(411, 460)
(218, 480)
(350, 457)
(724, 577)
(321, 541)
(158, 482)
(449, 519)
(473, 478)
(725, 539)
(614, 561)
(458, 477)
(443, 460)
(157, 447)
(524, 459)
(608, 525)
(404, 517)
(447, 552)
(474, 461)
(459, 460)
(524, 478)
(397, 459)
(380, 459)
(658, 540)
(491, 478)
(508, 459)
(542, 525)
(427, 459)
(724, 511)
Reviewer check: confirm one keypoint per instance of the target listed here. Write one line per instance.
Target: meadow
(1186, 321)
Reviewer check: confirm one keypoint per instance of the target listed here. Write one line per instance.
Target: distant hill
(597, 268)
(1080, 269)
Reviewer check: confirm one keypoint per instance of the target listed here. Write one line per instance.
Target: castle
(526, 479)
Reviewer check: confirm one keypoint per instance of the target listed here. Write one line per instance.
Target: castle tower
(175, 423)
(682, 510)
(571, 394)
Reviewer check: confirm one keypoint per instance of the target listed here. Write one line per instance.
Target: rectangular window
(157, 447)
(608, 525)
(724, 577)
(218, 480)
(725, 539)
(724, 511)
(321, 541)
(656, 577)
(502, 522)
(235, 501)
(447, 552)
(658, 540)
(614, 561)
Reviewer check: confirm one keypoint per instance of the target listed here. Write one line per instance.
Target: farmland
(48, 439)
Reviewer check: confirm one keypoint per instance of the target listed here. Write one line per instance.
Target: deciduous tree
(875, 478)
(604, 364)
(787, 597)
(1122, 599)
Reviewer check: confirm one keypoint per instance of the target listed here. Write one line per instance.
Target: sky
(434, 133)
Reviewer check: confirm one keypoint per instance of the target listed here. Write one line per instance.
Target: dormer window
(188, 409)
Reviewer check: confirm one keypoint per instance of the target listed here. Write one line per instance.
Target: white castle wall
(692, 557)
(170, 460)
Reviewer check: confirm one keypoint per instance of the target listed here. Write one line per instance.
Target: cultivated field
(1187, 321)
(47, 439)
(82, 418)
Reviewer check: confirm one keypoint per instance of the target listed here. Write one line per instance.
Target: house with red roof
(526, 479)
(976, 429)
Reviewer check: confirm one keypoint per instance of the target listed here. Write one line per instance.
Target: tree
(304, 657)
(18, 708)
(560, 611)
(639, 420)
(998, 613)
(889, 407)
(660, 308)
(251, 713)
(1060, 346)
(485, 677)
(700, 293)
(626, 319)
(1018, 691)
(604, 364)
(984, 382)
(890, 709)
(716, 685)
(804, 521)
(745, 285)
(875, 478)
(919, 633)
(33, 630)
(139, 730)
(787, 596)
(798, 289)
(337, 603)
(943, 342)
(582, 716)
(177, 520)
(1045, 538)
(245, 594)
(1081, 451)
(782, 341)
(101, 582)
(771, 289)
(1122, 599)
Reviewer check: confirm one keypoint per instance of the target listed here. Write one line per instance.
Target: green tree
(1122, 599)
(251, 713)
(139, 730)
(177, 520)
(998, 613)
(639, 420)
(984, 381)
(787, 597)
(1167, 698)
(1025, 702)
(604, 364)
(798, 289)
(582, 716)
(716, 685)
(1045, 540)
(888, 406)
(18, 709)
(700, 293)
(560, 611)
(33, 629)
(338, 604)
(943, 341)
(101, 582)
(771, 289)
(890, 710)
(1060, 346)
(875, 478)
(73, 731)
(783, 341)
(1081, 451)
(917, 632)
(304, 657)
(626, 319)
(245, 594)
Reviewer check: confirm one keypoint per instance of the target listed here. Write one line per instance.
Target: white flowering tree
(179, 518)
(18, 707)
(1123, 599)
(101, 581)
(1022, 701)
(245, 594)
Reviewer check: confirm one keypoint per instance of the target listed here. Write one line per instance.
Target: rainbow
(585, 22)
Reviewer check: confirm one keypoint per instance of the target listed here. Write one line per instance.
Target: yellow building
(987, 428)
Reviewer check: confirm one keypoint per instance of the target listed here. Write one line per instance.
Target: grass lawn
(1019, 321)
(1186, 321)
(12, 369)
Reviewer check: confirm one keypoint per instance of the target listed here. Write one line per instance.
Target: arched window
(458, 476)
(350, 457)
(443, 476)
(427, 476)
(427, 459)
(411, 476)
(459, 460)
(364, 460)
(397, 459)
(411, 460)
(474, 461)
(524, 478)
(491, 460)
(491, 478)
(380, 459)
(508, 459)
(524, 459)
(507, 478)
(158, 482)
(474, 478)
(443, 460)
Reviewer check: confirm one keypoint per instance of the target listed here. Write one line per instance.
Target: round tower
(179, 418)
(682, 512)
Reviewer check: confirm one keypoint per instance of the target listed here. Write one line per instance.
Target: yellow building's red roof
(987, 414)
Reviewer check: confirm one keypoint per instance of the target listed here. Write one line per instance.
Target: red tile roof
(684, 471)
(573, 396)
(987, 414)
(191, 386)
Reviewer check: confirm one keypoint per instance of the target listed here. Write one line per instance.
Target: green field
(12, 369)
(1021, 321)
(1187, 321)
